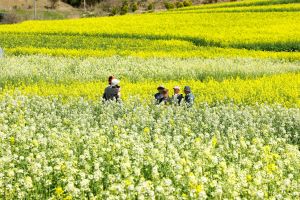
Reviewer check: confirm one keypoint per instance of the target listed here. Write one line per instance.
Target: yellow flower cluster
(283, 89)
(203, 52)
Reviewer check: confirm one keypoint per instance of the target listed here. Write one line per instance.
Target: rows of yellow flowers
(274, 31)
(203, 52)
(282, 89)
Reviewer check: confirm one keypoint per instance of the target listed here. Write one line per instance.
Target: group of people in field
(163, 97)
(113, 93)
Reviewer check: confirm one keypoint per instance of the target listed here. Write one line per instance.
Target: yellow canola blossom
(203, 52)
(224, 27)
(283, 89)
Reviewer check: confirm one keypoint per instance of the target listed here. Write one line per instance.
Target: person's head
(161, 89)
(187, 89)
(176, 89)
(110, 78)
(115, 82)
(165, 93)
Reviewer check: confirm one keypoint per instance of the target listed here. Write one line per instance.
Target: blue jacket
(189, 99)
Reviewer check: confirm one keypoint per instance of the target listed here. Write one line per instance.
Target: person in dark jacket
(177, 97)
(166, 100)
(189, 97)
(112, 92)
(158, 96)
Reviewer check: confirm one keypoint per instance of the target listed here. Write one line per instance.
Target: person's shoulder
(192, 96)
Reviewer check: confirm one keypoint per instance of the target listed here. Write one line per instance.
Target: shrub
(187, 3)
(169, 5)
(134, 7)
(124, 10)
(179, 4)
(114, 11)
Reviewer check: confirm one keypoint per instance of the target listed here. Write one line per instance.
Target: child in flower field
(189, 97)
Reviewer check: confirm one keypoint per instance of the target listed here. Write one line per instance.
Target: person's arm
(179, 98)
(191, 100)
(104, 95)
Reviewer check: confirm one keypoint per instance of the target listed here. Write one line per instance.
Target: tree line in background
(93, 8)
(114, 7)
(91, 3)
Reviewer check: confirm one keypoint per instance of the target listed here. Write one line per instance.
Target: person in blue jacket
(189, 97)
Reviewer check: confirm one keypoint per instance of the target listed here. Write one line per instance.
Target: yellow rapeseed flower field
(281, 89)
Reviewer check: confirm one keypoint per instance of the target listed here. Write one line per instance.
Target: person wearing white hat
(112, 92)
(177, 97)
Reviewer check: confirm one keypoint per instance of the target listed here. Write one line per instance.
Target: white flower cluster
(81, 149)
(35, 68)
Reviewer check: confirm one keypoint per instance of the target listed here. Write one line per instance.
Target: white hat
(176, 88)
(115, 82)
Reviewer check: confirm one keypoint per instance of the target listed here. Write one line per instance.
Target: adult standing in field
(166, 100)
(158, 96)
(189, 97)
(177, 97)
(112, 92)
(110, 78)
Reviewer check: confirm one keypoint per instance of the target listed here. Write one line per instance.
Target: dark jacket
(189, 99)
(111, 93)
(177, 100)
(158, 96)
(165, 100)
